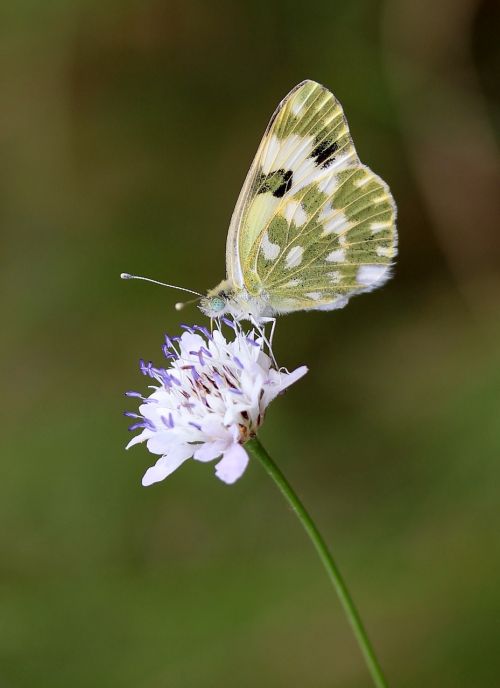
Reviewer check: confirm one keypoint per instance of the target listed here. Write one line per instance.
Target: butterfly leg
(262, 332)
(273, 327)
(265, 321)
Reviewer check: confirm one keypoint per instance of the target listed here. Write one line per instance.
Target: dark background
(126, 130)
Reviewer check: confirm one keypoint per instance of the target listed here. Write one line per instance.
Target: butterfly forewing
(312, 226)
(308, 121)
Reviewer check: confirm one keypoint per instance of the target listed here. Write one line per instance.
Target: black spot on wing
(285, 185)
(277, 182)
(324, 152)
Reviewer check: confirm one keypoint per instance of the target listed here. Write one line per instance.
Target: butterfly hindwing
(344, 247)
(312, 226)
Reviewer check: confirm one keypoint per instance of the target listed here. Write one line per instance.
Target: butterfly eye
(217, 304)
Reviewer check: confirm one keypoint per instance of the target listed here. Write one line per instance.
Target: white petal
(234, 432)
(232, 415)
(289, 378)
(279, 381)
(160, 442)
(141, 437)
(208, 451)
(167, 464)
(191, 342)
(232, 465)
(213, 428)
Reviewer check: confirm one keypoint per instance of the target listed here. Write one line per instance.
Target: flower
(209, 401)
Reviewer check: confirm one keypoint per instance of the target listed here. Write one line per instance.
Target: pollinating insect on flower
(209, 400)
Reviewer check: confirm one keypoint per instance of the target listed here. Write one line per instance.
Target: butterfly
(312, 226)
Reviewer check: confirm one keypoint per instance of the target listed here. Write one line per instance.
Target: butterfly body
(313, 226)
(238, 302)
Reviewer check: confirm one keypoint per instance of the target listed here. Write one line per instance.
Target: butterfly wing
(312, 226)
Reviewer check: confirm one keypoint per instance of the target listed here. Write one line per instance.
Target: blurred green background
(126, 129)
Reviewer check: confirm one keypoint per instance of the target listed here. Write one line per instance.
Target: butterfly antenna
(126, 276)
(181, 304)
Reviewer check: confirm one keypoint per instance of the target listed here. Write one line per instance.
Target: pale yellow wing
(312, 226)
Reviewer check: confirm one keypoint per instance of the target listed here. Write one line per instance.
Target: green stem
(256, 449)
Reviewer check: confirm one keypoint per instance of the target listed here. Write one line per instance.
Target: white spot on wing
(272, 149)
(337, 222)
(325, 212)
(372, 275)
(297, 105)
(328, 184)
(379, 226)
(294, 211)
(314, 295)
(341, 161)
(294, 257)
(292, 283)
(384, 251)
(361, 182)
(325, 176)
(334, 276)
(308, 173)
(337, 256)
(271, 251)
(339, 302)
(289, 153)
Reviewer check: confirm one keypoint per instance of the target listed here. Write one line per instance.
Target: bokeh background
(126, 130)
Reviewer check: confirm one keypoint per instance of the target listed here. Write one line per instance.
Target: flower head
(208, 401)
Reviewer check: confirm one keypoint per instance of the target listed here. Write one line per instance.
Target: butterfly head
(217, 301)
